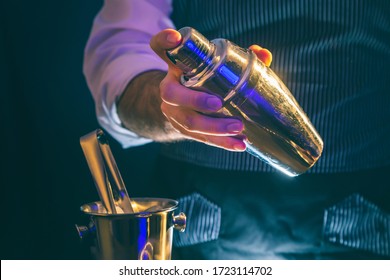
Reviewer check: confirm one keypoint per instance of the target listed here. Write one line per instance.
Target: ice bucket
(123, 227)
(146, 235)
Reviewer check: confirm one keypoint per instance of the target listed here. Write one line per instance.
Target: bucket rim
(93, 208)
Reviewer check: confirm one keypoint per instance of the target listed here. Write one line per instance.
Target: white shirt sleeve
(117, 51)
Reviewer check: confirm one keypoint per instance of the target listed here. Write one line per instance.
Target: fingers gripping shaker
(277, 129)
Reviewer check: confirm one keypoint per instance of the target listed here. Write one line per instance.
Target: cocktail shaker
(276, 128)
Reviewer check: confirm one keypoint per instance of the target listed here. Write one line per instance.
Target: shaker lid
(193, 51)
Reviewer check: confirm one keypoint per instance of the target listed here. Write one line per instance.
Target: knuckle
(163, 107)
(189, 122)
(198, 101)
(165, 89)
(220, 127)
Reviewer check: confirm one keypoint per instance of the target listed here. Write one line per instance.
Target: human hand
(188, 110)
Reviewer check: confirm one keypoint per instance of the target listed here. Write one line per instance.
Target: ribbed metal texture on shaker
(193, 51)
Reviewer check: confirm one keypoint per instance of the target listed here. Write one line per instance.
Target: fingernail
(256, 47)
(214, 103)
(174, 38)
(234, 127)
(268, 58)
(239, 147)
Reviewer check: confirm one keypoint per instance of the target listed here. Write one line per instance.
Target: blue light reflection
(195, 50)
(143, 234)
(228, 74)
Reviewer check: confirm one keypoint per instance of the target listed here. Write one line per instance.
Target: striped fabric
(203, 221)
(334, 57)
(357, 223)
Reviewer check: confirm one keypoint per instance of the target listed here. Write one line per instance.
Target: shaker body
(277, 130)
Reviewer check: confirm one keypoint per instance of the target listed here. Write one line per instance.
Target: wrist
(139, 108)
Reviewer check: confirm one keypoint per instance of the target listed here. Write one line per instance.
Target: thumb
(163, 41)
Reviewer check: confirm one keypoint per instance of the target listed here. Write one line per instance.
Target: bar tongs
(105, 174)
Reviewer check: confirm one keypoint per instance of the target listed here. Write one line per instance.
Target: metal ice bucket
(146, 235)
(123, 227)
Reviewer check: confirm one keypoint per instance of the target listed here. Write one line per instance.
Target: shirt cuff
(114, 82)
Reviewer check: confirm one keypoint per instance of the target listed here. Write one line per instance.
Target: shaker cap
(193, 51)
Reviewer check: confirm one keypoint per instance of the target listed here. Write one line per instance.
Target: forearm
(139, 108)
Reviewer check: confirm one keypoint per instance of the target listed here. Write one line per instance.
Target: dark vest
(334, 56)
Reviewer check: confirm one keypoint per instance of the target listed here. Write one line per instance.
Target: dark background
(45, 108)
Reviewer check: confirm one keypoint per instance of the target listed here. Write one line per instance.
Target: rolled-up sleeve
(117, 51)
